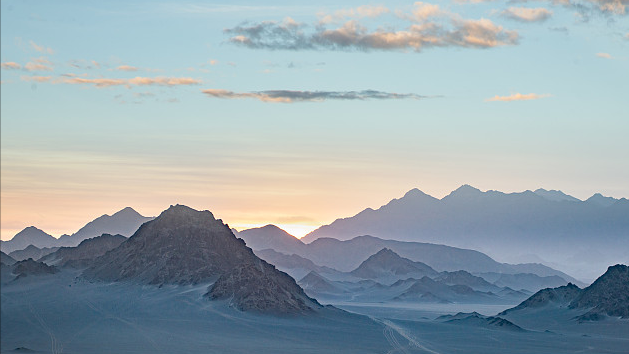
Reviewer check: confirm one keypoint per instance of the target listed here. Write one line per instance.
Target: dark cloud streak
(290, 96)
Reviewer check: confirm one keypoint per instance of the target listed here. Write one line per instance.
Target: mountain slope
(29, 236)
(608, 295)
(185, 246)
(124, 222)
(6, 259)
(388, 264)
(82, 255)
(271, 237)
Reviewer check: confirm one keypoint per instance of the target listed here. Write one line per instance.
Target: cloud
(617, 7)
(36, 78)
(136, 81)
(586, 7)
(41, 48)
(370, 11)
(352, 35)
(39, 64)
(517, 97)
(9, 65)
(126, 68)
(72, 79)
(526, 14)
(604, 55)
(288, 96)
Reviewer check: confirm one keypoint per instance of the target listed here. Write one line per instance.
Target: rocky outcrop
(184, 246)
(262, 288)
(608, 295)
(30, 267)
(561, 296)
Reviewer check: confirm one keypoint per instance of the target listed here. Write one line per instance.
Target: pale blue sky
(71, 152)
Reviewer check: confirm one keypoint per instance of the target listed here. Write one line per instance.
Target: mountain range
(345, 256)
(581, 237)
(124, 222)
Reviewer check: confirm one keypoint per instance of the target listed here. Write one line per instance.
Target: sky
(298, 112)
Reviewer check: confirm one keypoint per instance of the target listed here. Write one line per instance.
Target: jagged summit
(186, 246)
(555, 195)
(609, 294)
(601, 200)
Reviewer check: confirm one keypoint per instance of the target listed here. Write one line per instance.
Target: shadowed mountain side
(6, 259)
(262, 289)
(560, 296)
(82, 255)
(607, 296)
(184, 246)
(29, 236)
(30, 267)
(32, 252)
(502, 225)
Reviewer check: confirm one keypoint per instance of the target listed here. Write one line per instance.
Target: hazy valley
(185, 282)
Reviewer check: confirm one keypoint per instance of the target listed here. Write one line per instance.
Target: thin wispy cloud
(290, 96)
(72, 79)
(36, 78)
(450, 30)
(517, 97)
(10, 65)
(587, 7)
(525, 14)
(126, 68)
(39, 64)
(41, 48)
(604, 55)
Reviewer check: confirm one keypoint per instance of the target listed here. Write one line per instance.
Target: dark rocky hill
(29, 267)
(185, 246)
(608, 295)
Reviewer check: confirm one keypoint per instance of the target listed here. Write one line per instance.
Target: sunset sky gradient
(296, 113)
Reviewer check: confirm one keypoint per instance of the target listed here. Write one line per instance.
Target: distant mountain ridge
(29, 236)
(349, 254)
(549, 224)
(124, 222)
